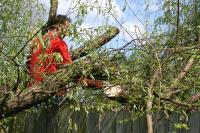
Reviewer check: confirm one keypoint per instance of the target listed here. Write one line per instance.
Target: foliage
(16, 25)
(164, 60)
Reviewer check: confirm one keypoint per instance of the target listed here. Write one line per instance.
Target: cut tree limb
(36, 94)
(95, 43)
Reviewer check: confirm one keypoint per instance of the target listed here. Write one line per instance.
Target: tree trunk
(149, 112)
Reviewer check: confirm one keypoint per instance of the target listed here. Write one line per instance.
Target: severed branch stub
(37, 94)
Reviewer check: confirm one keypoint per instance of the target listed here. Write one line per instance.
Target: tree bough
(37, 94)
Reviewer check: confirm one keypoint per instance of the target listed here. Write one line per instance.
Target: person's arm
(33, 61)
(63, 50)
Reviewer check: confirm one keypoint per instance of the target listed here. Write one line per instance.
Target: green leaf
(58, 57)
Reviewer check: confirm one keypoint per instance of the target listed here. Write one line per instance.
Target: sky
(127, 15)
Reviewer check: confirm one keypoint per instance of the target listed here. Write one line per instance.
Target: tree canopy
(158, 68)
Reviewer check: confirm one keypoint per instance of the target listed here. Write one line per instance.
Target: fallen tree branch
(95, 43)
(24, 100)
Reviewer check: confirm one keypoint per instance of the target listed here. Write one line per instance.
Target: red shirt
(42, 59)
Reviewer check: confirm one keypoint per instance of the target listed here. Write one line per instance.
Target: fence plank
(108, 122)
(161, 124)
(79, 122)
(123, 122)
(139, 125)
(92, 124)
(194, 122)
(63, 117)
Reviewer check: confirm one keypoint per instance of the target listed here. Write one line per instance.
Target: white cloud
(153, 7)
(131, 30)
(85, 25)
(64, 6)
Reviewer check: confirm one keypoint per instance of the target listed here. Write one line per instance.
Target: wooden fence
(64, 120)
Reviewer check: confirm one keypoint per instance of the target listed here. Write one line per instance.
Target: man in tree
(49, 51)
